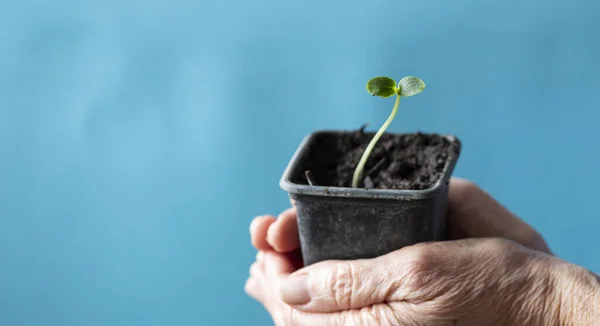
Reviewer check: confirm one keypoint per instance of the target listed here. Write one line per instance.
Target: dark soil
(405, 161)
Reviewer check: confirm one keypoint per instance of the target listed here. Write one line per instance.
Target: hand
(509, 281)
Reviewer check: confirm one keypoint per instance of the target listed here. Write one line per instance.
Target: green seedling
(386, 87)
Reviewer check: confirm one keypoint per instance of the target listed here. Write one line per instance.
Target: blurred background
(139, 138)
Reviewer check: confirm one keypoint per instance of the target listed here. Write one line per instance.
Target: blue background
(139, 138)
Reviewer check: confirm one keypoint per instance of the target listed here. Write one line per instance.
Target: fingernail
(294, 290)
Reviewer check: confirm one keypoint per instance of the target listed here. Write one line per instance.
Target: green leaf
(409, 86)
(382, 86)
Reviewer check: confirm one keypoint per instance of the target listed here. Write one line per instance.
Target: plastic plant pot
(337, 223)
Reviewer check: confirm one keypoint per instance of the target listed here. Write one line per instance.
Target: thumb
(333, 286)
(473, 213)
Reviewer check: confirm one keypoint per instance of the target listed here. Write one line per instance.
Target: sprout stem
(363, 160)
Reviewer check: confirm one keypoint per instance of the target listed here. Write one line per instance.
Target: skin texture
(497, 271)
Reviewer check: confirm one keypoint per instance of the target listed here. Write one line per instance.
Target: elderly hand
(503, 275)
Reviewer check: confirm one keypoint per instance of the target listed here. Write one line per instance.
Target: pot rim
(302, 152)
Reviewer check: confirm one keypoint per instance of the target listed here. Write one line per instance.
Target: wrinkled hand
(503, 275)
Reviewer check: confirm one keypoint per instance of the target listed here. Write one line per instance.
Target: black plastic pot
(355, 223)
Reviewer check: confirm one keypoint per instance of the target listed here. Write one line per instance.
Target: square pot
(355, 223)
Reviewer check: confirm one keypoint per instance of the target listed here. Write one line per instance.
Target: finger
(254, 290)
(257, 269)
(334, 286)
(474, 213)
(258, 231)
(278, 265)
(378, 314)
(283, 234)
(259, 256)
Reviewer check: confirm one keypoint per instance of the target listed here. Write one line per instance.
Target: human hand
(464, 282)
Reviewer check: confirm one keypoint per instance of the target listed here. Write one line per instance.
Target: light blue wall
(139, 138)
